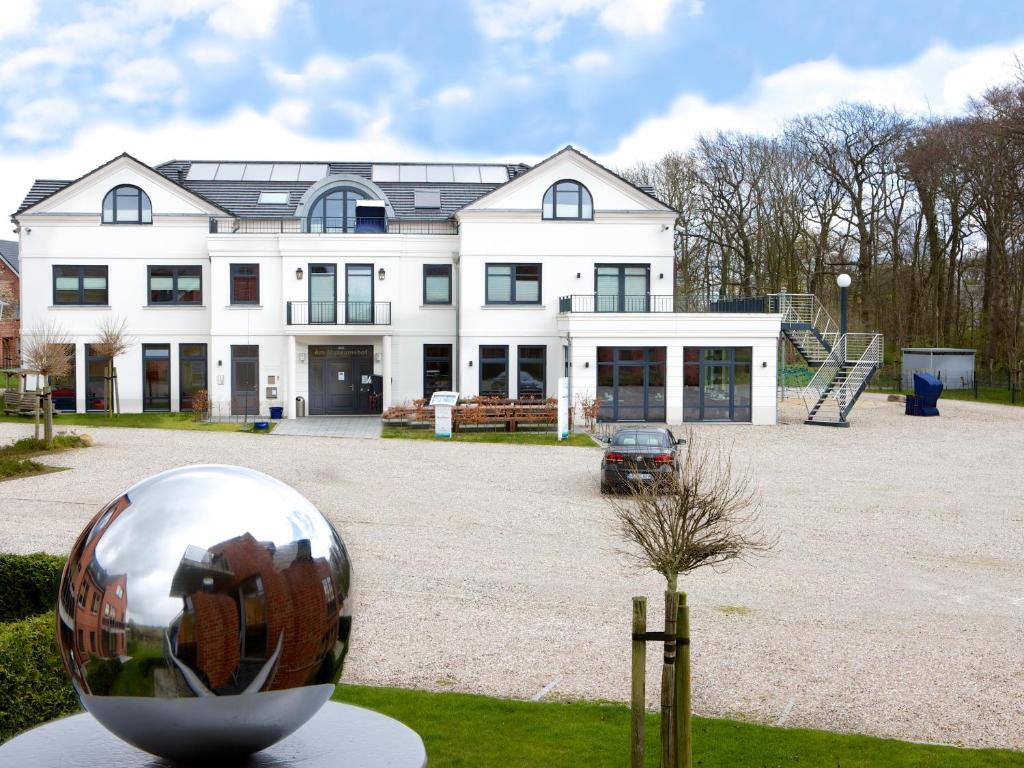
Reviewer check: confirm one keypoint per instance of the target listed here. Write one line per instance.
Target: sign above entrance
(360, 352)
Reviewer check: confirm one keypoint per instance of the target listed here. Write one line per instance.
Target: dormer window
(127, 204)
(335, 210)
(568, 199)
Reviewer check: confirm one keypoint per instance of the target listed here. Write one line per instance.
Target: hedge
(30, 584)
(34, 687)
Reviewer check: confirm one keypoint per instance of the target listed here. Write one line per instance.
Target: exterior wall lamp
(298, 273)
(381, 273)
(586, 364)
(470, 363)
(577, 275)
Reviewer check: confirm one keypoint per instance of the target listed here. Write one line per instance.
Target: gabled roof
(645, 191)
(9, 254)
(242, 197)
(44, 189)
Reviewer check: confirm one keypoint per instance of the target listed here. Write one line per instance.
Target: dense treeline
(927, 216)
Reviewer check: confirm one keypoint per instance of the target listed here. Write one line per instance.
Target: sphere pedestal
(338, 735)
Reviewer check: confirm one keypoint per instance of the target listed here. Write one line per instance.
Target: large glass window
(631, 383)
(335, 211)
(95, 380)
(513, 284)
(245, 283)
(568, 199)
(127, 204)
(192, 373)
(717, 383)
(437, 283)
(176, 285)
(63, 387)
(437, 368)
(494, 371)
(359, 293)
(156, 377)
(532, 366)
(80, 284)
(622, 287)
(323, 293)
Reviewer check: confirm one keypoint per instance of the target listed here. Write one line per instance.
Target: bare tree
(112, 341)
(705, 514)
(48, 352)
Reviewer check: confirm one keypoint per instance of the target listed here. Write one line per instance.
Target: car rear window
(641, 440)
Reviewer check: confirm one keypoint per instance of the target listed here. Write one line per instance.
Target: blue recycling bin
(924, 401)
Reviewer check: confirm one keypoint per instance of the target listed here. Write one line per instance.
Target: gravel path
(893, 604)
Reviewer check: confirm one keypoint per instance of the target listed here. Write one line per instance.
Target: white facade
(503, 227)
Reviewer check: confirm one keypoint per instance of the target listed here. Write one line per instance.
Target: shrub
(34, 687)
(30, 584)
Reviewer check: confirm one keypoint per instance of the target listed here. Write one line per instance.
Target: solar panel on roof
(312, 171)
(257, 172)
(467, 174)
(202, 171)
(384, 173)
(285, 172)
(412, 173)
(230, 171)
(493, 174)
(440, 173)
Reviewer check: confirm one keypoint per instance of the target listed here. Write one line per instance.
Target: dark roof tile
(9, 253)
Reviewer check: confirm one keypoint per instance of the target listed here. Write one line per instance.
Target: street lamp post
(843, 281)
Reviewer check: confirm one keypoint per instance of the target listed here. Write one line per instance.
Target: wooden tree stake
(668, 682)
(683, 734)
(638, 704)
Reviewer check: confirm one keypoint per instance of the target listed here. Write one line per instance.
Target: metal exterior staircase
(845, 363)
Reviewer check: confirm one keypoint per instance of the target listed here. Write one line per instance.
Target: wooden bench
(21, 403)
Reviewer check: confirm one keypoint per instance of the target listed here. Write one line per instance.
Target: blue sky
(474, 79)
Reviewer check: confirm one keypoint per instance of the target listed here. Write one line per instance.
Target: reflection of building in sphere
(92, 609)
(256, 617)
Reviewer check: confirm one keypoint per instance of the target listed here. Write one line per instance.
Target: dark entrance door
(631, 383)
(245, 366)
(336, 375)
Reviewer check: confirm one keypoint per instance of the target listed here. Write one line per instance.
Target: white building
(355, 286)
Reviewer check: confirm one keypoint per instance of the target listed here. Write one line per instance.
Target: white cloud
(939, 82)
(543, 20)
(18, 17)
(212, 54)
(42, 119)
(456, 94)
(293, 113)
(589, 61)
(144, 80)
(247, 19)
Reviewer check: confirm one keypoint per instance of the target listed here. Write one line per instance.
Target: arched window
(568, 199)
(335, 210)
(127, 204)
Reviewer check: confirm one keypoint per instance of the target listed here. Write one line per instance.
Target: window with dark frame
(156, 377)
(191, 373)
(437, 369)
(567, 200)
(437, 283)
(532, 367)
(494, 371)
(127, 204)
(80, 284)
(176, 285)
(335, 211)
(95, 380)
(245, 283)
(513, 284)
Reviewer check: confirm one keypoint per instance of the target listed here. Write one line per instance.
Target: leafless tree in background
(48, 352)
(112, 341)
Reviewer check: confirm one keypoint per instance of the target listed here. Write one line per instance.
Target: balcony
(339, 313)
(647, 303)
(359, 226)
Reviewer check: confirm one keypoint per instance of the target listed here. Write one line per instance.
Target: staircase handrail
(870, 358)
(824, 376)
(805, 308)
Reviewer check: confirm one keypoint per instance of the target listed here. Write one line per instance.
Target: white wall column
(289, 382)
(674, 385)
(386, 371)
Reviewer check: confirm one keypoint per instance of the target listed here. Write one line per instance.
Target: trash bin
(277, 411)
(300, 407)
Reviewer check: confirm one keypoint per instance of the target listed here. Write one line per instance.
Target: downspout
(458, 313)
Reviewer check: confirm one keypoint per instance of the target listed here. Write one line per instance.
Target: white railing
(805, 308)
(822, 380)
(859, 354)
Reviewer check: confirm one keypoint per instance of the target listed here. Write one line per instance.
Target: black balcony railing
(328, 226)
(649, 303)
(339, 313)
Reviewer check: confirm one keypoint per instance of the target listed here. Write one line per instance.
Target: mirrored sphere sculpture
(205, 611)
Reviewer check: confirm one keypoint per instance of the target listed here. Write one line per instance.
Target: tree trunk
(47, 416)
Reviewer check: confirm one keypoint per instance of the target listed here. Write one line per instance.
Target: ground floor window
(156, 377)
(631, 383)
(532, 364)
(494, 371)
(716, 383)
(95, 380)
(245, 365)
(191, 372)
(63, 389)
(437, 369)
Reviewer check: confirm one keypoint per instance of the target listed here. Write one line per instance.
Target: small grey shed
(953, 367)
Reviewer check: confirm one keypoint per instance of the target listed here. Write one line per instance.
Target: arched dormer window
(335, 210)
(127, 204)
(568, 199)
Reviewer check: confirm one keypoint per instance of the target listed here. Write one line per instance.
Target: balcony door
(622, 287)
(323, 293)
(359, 293)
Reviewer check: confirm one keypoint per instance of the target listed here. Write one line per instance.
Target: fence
(991, 386)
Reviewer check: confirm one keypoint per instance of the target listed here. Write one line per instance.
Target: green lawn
(513, 438)
(475, 731)
(16, 458)
(985, 395)
(148, 420)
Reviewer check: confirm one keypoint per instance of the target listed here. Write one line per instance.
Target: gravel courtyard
(893, 604)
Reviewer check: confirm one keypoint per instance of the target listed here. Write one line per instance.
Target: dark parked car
(638, 455)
